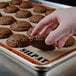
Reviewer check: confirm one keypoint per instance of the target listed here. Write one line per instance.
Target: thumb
(57, 34)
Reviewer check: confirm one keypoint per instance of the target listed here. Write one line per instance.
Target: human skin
(57, 27)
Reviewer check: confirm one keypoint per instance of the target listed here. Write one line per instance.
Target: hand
(57, 27)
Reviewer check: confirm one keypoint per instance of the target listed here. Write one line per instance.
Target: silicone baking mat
(31, 53)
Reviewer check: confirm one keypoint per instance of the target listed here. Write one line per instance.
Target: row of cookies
(20, 40)
(24, 5)
(25, 13)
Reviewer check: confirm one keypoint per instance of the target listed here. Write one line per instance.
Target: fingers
(45, 21)
(47, 29)
(56, 35)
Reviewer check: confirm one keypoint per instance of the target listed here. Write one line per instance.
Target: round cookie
(5, 32)
(6, 20)
(23, 14)
(20, 26)
(36, 18)
(26, 5)
(49, 11)
(15, 2)
(17, 40)
(11, 9)
(4, 4)
(38, 41)
(40, 9)
(69, 42)
(29, 32)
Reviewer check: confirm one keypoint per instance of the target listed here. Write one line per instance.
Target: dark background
(68, 2)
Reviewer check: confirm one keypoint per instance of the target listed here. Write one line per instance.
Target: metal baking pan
(52, 4)
(41, 67)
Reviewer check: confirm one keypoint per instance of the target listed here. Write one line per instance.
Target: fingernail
(34, 34)
(49, 42)
(31, 34)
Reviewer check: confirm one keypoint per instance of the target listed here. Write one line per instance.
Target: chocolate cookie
(49, 11)
(36, 18)
(11, 9)
(69, 42)
(5, 32)
(20, 26)
(39, 42)
(4, 4)
(6, 20)
(26, 4)
(17, 40)
(40, 9)
(15, 2)
(23, 14)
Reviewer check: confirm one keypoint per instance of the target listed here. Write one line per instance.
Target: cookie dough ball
(17, 40)
(26, 5)
(23, 14)
(6, 20)
(40, 9)
(36, 18)
(4, 4)
(39, 42)
(69, 42)
(49, 11)
(5, 32)
(15, 2)
(11, 9)
(20, 26)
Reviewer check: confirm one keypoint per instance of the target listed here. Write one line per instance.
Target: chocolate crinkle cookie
(11, 9)
(36, 18)
(15, 2)
(40, 9)
(17, 40)
(4, 4)
(69, 42)
(5, 32)
(23, 14)
(26, 5)
(38, 41)
(20, 26)
(6, 20)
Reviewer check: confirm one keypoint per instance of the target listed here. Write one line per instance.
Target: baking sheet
(46, 56)
(52, 4)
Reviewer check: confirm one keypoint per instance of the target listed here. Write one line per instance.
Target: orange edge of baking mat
(20, 54)
(60, 56)
(33, 60)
